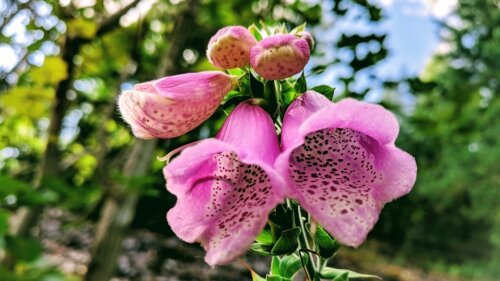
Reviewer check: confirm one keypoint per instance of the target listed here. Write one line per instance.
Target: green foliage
(325, 90)
(453, 132)
(327, 245)
(342, 274)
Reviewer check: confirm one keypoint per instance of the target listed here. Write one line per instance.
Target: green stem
(304, 244)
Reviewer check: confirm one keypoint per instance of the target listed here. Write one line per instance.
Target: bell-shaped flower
(279, 56)
(173, 105)
(230, 47)
(341, 163)
(226, 186)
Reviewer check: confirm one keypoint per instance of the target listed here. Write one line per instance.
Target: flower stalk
(335, 164)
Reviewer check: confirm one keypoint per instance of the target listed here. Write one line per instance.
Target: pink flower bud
(309, 38)
(279, 56)
(174, 105)
(230, 47)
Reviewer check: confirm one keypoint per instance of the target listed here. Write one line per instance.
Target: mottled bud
(230, 47)
(174, 105)
(309, 38)
(279, 56)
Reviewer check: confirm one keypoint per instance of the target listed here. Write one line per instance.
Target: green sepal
(275, 266)
(288, 242)
(282, 217)
(330, 272)
(299, 29)
(327, 245)
(291, 264)
(255, 32)
(262, 249)
(265, 237)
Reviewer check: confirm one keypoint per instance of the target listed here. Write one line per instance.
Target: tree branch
(113, 21)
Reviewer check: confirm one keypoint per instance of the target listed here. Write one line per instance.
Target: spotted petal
(225, 188)
(174, 105)
(343, 166)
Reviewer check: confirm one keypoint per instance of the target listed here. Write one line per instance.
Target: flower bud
(174, 105)
(309, 38)
(230, 47)
(279, 56)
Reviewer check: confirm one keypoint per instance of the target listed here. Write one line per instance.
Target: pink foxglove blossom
(279, 56)
(341, 163)
(173, 105)
(226, 187)
(230, 47)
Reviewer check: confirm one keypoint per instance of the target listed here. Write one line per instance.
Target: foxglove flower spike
(341, 163)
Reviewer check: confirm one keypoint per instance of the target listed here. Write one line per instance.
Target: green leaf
(52, 71)
(291, 264)
(4, 223)
(262, 249)
(288, 92)
(342, 277)
(256, 277)
(265, 237)
(235, 101)
(276, 278)
(330, 272)
(327, 246)
(275, 266)
(236, 71)
(325, 90)
(12, 186)
(287, 243)
(256, 86)
(82, 27)
(23, 249)
(301, 84)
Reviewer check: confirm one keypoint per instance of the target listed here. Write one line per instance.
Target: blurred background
(81, 199)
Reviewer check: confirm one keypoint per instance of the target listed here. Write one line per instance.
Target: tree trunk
(119, 207)
(26, 217)
(117, 215)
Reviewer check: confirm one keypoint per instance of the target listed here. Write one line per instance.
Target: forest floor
(148, 256)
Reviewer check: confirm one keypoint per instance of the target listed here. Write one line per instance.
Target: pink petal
(342, 170)
(279, 56)
(300, 109)
(371, 119)
(172, 106)
(251, 127)
(230, 47)
(195, 87)
(224, 190)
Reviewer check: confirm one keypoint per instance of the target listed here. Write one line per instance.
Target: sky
(412, 37)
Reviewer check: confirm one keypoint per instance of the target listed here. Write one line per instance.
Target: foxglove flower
(174, 105)
(230, 47)
(341, 163)
(226, 187)
(279, 56)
